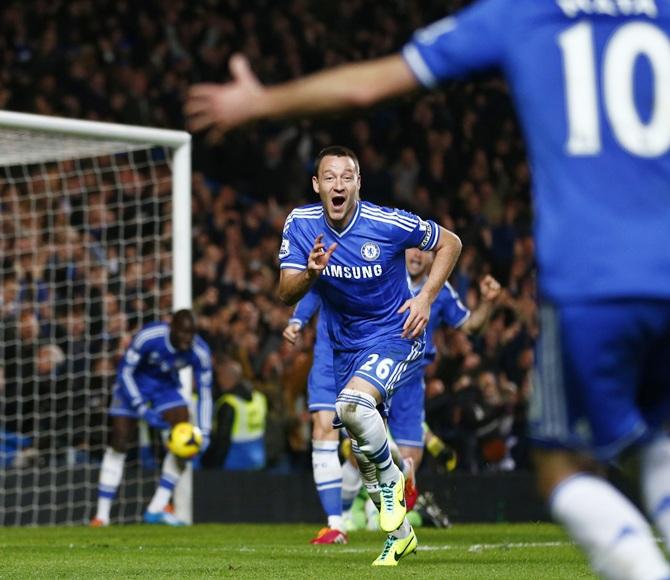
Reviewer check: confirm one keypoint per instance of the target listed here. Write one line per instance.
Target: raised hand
(489, 288)
(224, 106)
(319, 257)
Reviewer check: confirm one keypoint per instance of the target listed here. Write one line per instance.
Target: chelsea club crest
(370, 251)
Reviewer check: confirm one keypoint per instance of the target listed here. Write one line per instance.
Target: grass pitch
(483, 552)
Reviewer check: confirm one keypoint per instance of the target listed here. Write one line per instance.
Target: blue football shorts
(161, 397)
(406, 413)
(321, 385)
(388, 365)
(602, 375)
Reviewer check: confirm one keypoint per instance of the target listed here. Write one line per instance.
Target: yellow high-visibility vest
(249, 421)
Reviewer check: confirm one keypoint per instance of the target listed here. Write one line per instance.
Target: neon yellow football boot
(393, 507)
(395, 549)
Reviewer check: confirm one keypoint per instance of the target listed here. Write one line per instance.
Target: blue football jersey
(447, 310)
(591, 82)
(151, 363)
(365, 282)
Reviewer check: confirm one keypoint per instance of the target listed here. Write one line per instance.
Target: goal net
(94, 243)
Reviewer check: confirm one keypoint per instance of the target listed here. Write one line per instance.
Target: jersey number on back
(627, 44)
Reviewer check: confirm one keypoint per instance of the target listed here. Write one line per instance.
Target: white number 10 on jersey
(627, 44)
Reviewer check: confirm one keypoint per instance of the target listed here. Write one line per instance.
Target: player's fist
(489, 288)
(292, 332)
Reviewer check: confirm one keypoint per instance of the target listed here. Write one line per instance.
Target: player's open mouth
(338, 200)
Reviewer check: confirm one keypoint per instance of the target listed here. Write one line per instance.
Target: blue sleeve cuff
(418, 66)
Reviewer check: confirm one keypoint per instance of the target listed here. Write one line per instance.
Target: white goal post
(95, 240)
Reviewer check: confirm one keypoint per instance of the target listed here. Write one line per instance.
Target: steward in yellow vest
(238, 426)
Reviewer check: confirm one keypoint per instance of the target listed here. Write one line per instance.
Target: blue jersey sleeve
(450, 310)
(127, 368)
(306, 308)
(295, 248)
(423, 234)
(473, 39)
(202, 373)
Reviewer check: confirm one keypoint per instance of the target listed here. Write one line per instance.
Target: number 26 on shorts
(381, 367)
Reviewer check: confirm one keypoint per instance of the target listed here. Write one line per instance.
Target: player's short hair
(183, 316)
(335, 151)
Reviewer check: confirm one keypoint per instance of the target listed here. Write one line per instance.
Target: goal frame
(180, 143)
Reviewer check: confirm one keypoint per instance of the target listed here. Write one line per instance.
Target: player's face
(337, 184)
(417, 262)
(181, 335)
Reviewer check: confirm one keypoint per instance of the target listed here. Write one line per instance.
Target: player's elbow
(290, 284)
(451, 241)
(467, 328)
(286, 296)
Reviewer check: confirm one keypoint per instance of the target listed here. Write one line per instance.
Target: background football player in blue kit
(352, 253)
(591, 84)
(148, 388)
(406, 411)
(321, 396)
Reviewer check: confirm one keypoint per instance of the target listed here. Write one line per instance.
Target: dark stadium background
(455, 156)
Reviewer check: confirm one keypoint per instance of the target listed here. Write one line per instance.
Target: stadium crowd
(455, 156)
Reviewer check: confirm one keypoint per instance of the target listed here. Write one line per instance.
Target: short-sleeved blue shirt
(591, 82)
(365, 282)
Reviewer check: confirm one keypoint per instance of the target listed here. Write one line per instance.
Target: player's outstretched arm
(294, 284)
(447, 251)
(245, 99)
(489, 289)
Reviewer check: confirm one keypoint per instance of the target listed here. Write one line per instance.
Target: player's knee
(351, 404)
(119, 444)
(120, 436)
(345, 410)
(413, 453)
(176, 415)
(322, 426)
(345, 407)
(322, 432)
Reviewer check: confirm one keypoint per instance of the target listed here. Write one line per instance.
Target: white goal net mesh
(85, 260)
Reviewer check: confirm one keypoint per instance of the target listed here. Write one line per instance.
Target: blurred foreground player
(148, 388)
(591, 84)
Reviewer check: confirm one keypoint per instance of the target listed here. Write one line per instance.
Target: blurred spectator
(238, 429)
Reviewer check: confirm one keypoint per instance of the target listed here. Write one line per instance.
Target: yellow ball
(184, 440)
